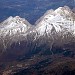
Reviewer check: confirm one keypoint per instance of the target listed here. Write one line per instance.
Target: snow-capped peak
(59, 20)
(14, 25)
(63, 10)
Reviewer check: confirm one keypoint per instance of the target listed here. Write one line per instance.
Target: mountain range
(46, 48)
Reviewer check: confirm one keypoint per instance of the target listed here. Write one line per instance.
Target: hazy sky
(30, 9)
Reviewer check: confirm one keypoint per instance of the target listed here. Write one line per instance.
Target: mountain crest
(14, 25)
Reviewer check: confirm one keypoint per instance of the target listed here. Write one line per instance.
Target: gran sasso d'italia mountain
(32, 49)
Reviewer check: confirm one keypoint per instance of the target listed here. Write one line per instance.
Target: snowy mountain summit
(14, 25)
(59, 20)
